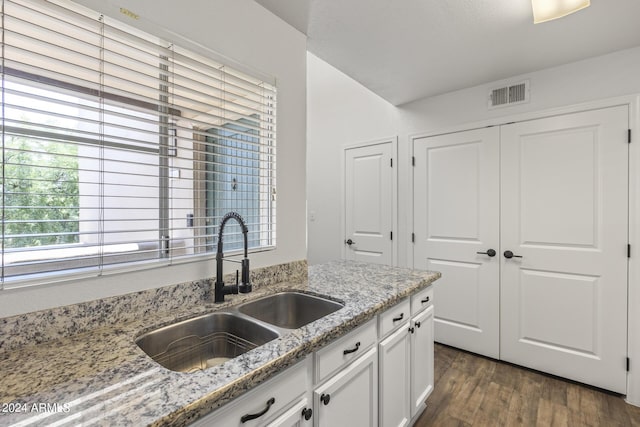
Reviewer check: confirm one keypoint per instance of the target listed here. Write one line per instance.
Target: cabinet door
(421, 359)
(456, 181)
(350, 398)
(300, 415)
(395, 370)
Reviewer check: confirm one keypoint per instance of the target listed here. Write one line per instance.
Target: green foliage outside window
(41, 194)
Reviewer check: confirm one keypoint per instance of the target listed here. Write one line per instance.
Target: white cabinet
(350, 397)
(266, 401)
(344, 350)
(421, 359)
(406, 360)
(300, 415)
(395, 377)
(361, 379)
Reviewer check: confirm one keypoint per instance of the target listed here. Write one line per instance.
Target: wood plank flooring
(472, 390)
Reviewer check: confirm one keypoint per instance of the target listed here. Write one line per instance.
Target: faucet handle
(245, 287)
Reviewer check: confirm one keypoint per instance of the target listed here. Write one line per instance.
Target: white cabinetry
(421, 359)
(350, 397)
(346, 373)
(395, 377)
(300, 415)
(406, 360)
(266, 401)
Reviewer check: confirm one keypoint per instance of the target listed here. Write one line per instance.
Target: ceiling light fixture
(546, 10)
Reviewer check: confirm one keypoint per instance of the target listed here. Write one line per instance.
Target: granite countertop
(102, 378)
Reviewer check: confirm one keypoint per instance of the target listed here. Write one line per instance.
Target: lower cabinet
(350, 397)
(300, 415)
(406, 362)
(395, 378)
(421, 359)
(269, 403)
(381, 373)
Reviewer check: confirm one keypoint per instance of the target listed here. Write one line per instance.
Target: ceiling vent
(509, 95)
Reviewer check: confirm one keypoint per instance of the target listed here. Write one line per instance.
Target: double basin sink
(211, 339)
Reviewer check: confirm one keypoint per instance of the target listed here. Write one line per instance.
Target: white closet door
(564, 212)
(369, 203)
(456, 216)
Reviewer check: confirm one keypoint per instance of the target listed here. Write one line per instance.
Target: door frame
(633, 269)
(394, 191)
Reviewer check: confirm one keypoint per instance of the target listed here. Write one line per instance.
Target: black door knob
(509, 255)
(325, 398)
(349, 242)
(307, 413)
(489, 252)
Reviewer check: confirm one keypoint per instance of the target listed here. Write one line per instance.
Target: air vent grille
(509, 95)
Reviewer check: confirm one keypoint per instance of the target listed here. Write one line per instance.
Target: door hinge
(628, 251)
(629, 136)
(413, 237)
(391, 161)
(413, 161)
(628, 364)
(391, 235)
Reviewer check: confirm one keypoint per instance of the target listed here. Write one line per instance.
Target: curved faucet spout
(245, 286)
(243, 226)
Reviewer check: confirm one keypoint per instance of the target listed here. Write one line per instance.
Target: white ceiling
(409, 49)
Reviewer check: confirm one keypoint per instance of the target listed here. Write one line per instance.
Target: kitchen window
(123, 150)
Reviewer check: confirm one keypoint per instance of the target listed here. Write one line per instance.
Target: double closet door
(528, 223)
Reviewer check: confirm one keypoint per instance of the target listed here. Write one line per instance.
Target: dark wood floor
(471, 390)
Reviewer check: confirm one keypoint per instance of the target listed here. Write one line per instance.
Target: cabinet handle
(395, 319)
(425, 300)
(490, 252)
(250, 417)
(418, 324)
(353, 350)
(325, 398)
(307, 413)
(411, 330)
(509, 255)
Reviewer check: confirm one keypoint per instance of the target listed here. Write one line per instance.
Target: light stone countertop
(102, 378)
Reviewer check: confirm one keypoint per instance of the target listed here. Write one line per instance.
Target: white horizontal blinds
(227, 131)
(118, 147)
(50, 79)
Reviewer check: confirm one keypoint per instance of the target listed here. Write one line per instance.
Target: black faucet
(245, 286)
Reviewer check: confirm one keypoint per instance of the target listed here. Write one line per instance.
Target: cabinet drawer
(394, 317)
(345, 349)
(422, 300)
(284, 389)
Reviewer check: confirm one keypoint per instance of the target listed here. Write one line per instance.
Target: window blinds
(118, 147)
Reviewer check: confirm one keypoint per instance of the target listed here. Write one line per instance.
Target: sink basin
(290, 310)
(204, 341)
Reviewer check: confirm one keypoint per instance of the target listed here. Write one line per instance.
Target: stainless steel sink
(290, 310)
(204, 341)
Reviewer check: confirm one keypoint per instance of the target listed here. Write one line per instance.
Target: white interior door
(456, 217)
(369, 203)
(564, 217)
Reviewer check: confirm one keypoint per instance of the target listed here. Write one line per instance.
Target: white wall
(340, 112)
(257, 42)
